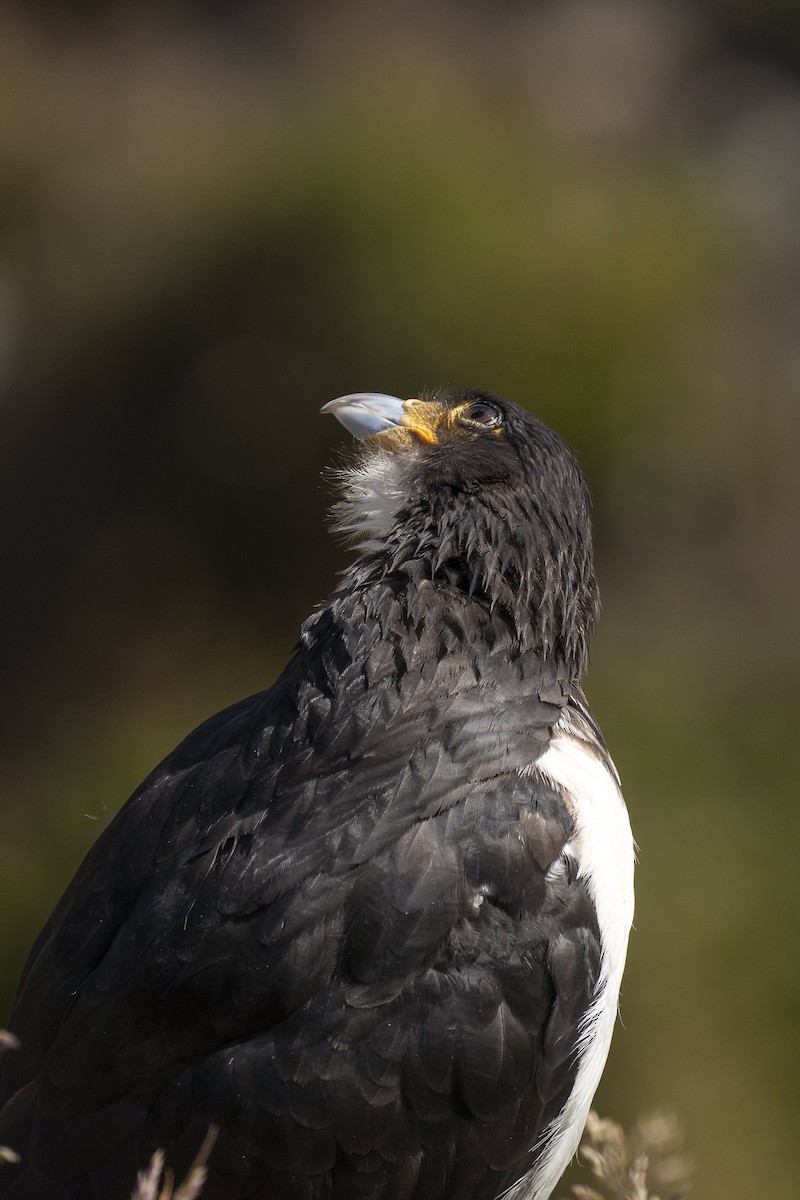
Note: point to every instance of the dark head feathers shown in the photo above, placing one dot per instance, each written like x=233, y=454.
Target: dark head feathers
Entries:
x=495, y=511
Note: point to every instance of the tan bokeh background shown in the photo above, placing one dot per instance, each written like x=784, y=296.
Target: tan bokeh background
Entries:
x=211, y=224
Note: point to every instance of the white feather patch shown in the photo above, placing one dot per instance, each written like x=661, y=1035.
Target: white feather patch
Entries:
x=603, y=848
x=371, y=495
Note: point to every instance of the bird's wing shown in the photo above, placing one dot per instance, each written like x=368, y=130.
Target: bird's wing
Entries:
x=310, y=869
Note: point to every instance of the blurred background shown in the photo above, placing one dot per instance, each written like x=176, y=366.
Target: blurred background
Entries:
x=214, y=218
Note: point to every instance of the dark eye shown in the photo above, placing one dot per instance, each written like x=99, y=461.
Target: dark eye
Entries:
x=481, y=413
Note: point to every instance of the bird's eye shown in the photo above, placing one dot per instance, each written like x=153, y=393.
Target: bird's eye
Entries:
x=481, y=413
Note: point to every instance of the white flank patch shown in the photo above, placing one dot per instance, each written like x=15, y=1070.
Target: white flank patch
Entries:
x=576, y=765
x=371, y=496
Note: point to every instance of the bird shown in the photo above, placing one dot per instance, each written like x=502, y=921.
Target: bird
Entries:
x=370, y=923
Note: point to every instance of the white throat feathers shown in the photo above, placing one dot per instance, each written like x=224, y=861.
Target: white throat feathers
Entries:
x=371, y=494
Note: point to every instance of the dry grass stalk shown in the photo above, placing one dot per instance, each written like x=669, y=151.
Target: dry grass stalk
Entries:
x=8, y=1042
x=646, y=1164
x=157, y=1183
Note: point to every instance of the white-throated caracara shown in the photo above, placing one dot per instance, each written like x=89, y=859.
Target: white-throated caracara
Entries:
x=371, y=922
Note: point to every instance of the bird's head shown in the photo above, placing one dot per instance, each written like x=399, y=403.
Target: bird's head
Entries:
x=467, y=490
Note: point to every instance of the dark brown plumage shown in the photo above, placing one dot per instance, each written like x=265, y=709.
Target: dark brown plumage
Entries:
x=348, y=920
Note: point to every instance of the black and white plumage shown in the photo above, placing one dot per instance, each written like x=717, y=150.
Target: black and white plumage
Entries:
x=373, y=921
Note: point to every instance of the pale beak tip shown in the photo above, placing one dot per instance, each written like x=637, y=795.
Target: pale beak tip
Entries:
x=365, y=414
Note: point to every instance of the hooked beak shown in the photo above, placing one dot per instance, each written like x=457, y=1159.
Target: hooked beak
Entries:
x=388, y=418
x=366, y=413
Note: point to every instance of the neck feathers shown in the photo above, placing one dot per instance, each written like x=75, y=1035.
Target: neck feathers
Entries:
x=493, y=561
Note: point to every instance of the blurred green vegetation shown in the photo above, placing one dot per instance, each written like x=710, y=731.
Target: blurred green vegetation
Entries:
x=207, y=229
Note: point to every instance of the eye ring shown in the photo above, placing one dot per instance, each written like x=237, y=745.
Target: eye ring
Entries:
x=481, y=414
